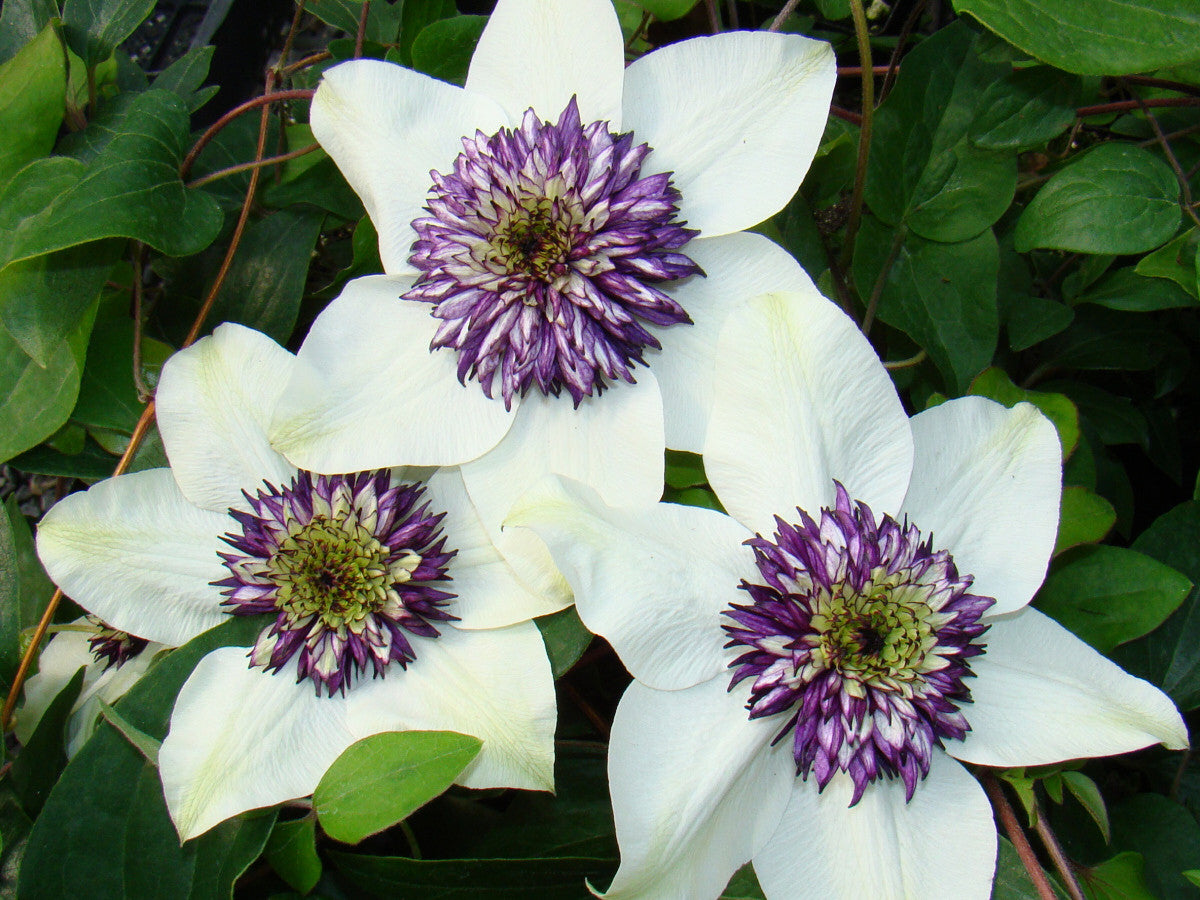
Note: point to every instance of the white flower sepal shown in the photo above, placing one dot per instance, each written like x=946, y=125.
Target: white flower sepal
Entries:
x=146, y=553
x=65, y=654
x=735, y=119
x=699, y=788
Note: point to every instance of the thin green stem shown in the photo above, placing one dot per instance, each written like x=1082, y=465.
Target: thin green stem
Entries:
x=409, y=835
x=864, y=133
x=881, y=279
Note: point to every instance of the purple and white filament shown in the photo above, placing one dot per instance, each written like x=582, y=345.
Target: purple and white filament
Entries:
x=347, y=564
x=540, y=255
x=862, y=636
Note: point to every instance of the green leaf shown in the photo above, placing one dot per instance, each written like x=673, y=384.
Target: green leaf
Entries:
x=32, y=87
x=36, y=400
x=385, y=778
x=43, y=299
x=1170, y=655
x=577, y=821
x=417, y=14
x=1030, y=320
x=21, y=21
x=91, y=464
x=1110, y=595
x=565, y=637
x=1167, y=835
x=1175, y=260
x=1012, y=882
x=131, y=189
x=107, y=395
x=443, y=49
x=1130, y=290
x=265, y=284
x=1058, y=408
x=1096, y=37
x=104, y=832
x=383, y=21
x=292, y=852
x=743, y=886
x=702, y=497
x=1027, y=107
x=1116, y=198
x=319, y=184
x=24, y=586
x=1084, y=518
x=923, y=170
x=37, y=767
x=400, y=878
x=186, y=77
x=1105, y=339
x=1085, y=791
x=1192, y=875
x=943, y=296
x=667, y=10
x=685, y=470
x=95, y=28
x=142, y=742
x=1119, y=878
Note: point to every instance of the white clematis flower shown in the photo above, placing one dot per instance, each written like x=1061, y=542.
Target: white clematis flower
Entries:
x=112, y=662
x=807, y=687
x=376, y=584
x=551, y=227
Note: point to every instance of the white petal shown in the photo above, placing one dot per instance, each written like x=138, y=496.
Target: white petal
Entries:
x=538, y=54
x=244, y=738
x=696, y=790
x=651, y=580
x=368, y=393
x=1042, y=695
x=941, y=846
x=738, y=266
x=737, y=117
x=387, y=128
x=489, y=593
x=133, y=551
x=63, y=656
x=213, y=404
x=494, y=684
x=613, y=443
x=801, y=399
x=986, y=483
x=110, y=687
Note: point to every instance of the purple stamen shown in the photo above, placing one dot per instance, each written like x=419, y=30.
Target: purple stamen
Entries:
x=540, y=256
x=861, y=635
x=347, y=565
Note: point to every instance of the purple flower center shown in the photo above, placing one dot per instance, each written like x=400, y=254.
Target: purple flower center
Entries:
x=347, y=565
x=114, y=648
x=861, y=635
x=541, y=254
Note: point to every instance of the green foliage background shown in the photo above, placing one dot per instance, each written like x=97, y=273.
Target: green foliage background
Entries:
x=1028, y=231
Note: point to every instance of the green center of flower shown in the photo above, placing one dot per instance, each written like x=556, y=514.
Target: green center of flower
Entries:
x=878, y=637
x=534, y=237
x=337, y=570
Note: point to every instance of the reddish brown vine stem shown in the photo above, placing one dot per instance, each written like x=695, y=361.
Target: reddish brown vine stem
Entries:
x=147, y=418
x=1127, y=105
x=265, y=99
x=1012, y=827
